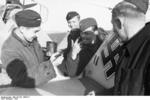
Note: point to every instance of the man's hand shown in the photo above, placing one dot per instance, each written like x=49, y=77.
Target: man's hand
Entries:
x=56, y=59
x=76, y=48
x=45, y=72
x=54, y=56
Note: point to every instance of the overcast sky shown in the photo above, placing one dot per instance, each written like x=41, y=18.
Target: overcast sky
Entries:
x=58, y=9
x=86, y=8
x=54, y=12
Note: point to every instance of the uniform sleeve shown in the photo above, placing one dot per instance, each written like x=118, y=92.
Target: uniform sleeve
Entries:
x=69, y=66
x=8, y=56
x=17, y=71
x=75, y=67
x=84, y=56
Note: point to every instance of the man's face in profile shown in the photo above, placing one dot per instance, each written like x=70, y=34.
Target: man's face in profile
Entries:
x=29, y=33
x=119, y=29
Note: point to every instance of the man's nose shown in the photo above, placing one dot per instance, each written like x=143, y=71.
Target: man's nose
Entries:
x=34, y=35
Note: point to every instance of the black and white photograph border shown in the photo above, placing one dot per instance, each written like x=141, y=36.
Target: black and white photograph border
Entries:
x=54, y=27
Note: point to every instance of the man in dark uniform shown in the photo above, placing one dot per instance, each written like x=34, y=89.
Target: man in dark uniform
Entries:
x=83, y=49
x=73, y=20
x=133, y=71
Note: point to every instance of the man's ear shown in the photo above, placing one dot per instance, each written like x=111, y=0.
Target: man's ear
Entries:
x=118, y=23
x=96, y=32
x=22, y=28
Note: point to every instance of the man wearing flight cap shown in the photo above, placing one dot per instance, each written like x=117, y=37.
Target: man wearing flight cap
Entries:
x=83, y=49
x=73, y=19
x=22, y=56
x=133, y=70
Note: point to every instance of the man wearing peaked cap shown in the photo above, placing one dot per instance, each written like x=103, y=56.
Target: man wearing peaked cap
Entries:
x=22, y=56
x=133, y=71
x=89, y=26
x=86, y=23
x=81, y=54
x=83, y=48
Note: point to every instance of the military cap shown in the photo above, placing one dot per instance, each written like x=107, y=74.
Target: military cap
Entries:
x=28, y=18
x=71, y=14
x=86, y=23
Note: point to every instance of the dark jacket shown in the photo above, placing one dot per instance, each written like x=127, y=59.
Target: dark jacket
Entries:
x=133, y=71
x=75, y=67
x=74, y=34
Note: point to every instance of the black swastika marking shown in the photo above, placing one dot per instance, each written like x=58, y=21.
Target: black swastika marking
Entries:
x=110, y=61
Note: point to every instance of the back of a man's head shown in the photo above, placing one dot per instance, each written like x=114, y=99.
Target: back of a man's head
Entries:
x=128, y=19
x=126, y=9
x=142, y=5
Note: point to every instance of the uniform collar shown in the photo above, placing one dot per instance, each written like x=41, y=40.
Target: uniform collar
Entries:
x=134, y=43
x=24, y=42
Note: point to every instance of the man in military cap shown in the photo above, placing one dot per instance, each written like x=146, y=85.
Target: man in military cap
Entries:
x=83, y=48
x=22, y=56
x=73, y=19
x=133, y=71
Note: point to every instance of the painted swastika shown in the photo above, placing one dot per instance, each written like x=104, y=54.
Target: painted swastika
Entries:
x=110, y=61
